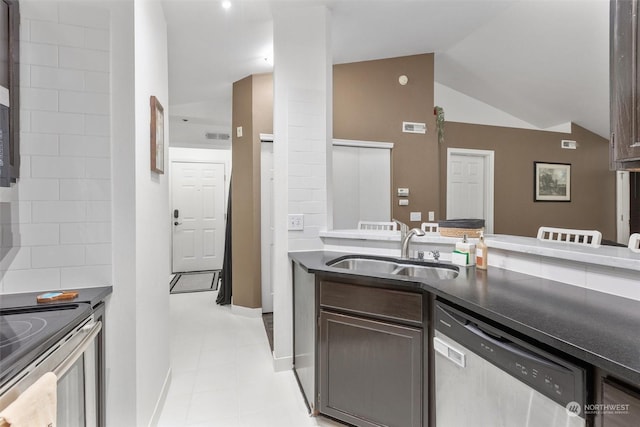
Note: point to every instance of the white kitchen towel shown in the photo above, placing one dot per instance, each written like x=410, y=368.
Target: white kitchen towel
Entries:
x=36, y=407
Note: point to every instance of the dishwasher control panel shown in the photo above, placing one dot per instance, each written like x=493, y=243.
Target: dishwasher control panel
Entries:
x=556, y=378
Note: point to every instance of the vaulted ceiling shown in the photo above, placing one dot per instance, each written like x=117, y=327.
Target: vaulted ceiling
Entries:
x=545, y=62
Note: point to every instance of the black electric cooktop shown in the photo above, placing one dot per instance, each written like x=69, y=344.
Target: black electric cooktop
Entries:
x=27, y=332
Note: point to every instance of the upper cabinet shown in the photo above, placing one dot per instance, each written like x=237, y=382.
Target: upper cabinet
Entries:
x=9, y=92
x=625, y=84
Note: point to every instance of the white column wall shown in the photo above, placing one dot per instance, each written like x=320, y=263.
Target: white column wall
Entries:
x=302, y=131
x=153, y=220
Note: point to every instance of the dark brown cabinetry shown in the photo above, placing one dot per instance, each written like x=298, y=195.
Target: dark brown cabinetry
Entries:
x=371, y=355
x=620, y=404
x=625, y=79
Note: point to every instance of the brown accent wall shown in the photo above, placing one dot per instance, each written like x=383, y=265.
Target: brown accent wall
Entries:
x=370, y=104
x=593, y=186
x=252, y=109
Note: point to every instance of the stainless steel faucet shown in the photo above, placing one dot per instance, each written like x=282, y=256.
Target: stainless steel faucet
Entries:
x=406, y=236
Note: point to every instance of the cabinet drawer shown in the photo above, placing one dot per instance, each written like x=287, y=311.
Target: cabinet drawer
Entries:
x=377, y=302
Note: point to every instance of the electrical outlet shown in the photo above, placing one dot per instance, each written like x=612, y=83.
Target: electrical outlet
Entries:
x=295, y=222
x=239, y=132
x=432, y=216
x=403, y=202
x=415, y=216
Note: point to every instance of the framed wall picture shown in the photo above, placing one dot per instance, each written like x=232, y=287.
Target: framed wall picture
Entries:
x=552, y=182
x=157, y=136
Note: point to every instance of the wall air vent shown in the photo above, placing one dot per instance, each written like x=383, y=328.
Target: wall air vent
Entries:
x=411, y=127
x=569, y=144
x=219, y=136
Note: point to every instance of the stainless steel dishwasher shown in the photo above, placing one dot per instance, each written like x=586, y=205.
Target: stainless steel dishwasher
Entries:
x=486, y=377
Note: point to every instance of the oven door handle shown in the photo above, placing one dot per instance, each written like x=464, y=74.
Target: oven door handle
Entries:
x=70, y=360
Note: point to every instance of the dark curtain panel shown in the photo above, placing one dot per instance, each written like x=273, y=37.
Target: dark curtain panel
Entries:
x=224, y=293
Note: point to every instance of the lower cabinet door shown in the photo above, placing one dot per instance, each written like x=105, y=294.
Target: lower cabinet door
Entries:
x=621, y=405
x=370, y=371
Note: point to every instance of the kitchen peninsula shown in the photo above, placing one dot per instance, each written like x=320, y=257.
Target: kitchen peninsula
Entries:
x=581, y=316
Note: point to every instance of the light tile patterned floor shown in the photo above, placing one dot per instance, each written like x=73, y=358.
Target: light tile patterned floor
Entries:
x=222, y=371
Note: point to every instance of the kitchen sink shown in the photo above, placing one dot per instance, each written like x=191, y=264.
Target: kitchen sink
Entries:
x=396, y=267
x=427, y=272
x=371, y=265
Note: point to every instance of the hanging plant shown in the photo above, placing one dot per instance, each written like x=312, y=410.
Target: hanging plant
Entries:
x=439, y=113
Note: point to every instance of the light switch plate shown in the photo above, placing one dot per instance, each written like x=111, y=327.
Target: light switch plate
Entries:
x=415, y=216
x=403, y=202
x=239, y=131
x=295, y=222
x=403, y=192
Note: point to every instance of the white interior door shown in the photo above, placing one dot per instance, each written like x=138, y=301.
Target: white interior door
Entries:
x=470, y=185
x=197, y=191
x=267, y=229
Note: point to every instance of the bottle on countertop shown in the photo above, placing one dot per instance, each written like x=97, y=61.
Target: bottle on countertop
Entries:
x=481, y=253
x=465, y=247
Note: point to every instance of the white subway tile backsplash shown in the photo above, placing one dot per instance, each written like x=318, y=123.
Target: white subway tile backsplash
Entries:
x=57, y=34
x=98, y=254
x=87, y=16
x=38, y=54
x=15, y=213
x=56, y=78
x=73, y=277
x=38, y=144
x=98, y=168
x=38, y=189
x=85, y=146
x=57, y=167
x=25, y=120
x=96, y=82
x=96, y=39
x=98, y=125
x=16, y=259
x=36, y=279
x=82, y=102
x=62, y=214
x=85, y=189
x=57, y=256
x=85, y=232
x=39, y=10
x=39, y=234
x=59, y=211
x=83, y=59
x=98, y=211
x=39, y=99
x=25, y=30
x=48, y=122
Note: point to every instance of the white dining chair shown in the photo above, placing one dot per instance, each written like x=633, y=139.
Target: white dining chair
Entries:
x=567, y=235
x=634, y=242
x=377, y=225
x=429, y=227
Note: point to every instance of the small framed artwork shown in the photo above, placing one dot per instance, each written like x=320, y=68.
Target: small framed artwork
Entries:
x=157, y=136
x=552, y=182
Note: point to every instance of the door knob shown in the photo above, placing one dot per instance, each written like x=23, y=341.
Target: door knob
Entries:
x=177, y=223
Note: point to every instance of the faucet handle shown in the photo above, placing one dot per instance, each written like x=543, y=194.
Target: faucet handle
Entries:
x=435, y=254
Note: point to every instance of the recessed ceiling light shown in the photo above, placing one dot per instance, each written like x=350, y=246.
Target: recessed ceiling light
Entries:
x=226, y=4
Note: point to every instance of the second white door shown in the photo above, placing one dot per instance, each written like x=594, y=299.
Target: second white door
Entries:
x=198, y=216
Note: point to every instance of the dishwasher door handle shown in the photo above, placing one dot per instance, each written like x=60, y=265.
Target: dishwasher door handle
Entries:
x=453, y=354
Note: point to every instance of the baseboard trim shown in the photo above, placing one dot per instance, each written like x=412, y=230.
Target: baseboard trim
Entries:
x=281, y=364
x=157, y=411
x=246, y=311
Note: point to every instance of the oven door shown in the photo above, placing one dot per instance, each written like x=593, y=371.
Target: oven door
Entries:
x=74, y=361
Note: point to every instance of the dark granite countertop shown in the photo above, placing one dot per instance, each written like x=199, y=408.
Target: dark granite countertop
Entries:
x=592, y=326
x=85, y=295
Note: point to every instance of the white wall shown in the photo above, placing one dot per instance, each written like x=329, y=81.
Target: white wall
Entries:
x=152, y=216
x=302, y=128
x=60, y=208
x=462, y=108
